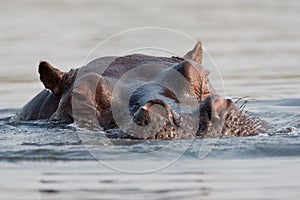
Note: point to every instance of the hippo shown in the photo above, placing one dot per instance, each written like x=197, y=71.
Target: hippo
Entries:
x=138, y=96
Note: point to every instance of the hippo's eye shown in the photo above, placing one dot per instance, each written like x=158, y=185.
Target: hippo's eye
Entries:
x=136, y=107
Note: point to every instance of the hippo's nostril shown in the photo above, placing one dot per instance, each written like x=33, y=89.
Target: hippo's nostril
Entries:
x=142, y=117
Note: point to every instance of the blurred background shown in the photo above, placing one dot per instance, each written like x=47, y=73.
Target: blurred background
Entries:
x=254, y=43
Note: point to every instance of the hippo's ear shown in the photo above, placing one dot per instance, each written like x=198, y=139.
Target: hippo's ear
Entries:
x=195, y=54
x=191, y=71
x=51, y=77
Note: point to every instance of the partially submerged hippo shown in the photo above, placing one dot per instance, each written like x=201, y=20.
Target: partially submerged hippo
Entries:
x=139, y=97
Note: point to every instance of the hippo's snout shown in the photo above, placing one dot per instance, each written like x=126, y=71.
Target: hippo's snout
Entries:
x=221, y=117
x=154, y=110
x=155, y=119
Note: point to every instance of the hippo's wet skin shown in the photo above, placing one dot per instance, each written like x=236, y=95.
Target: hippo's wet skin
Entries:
x=156, y=111
x=221, y=117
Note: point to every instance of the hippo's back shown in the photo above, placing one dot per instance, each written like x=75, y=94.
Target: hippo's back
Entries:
x=42, y=106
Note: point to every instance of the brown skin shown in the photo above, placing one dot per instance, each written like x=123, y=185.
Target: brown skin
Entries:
x=221, y=117
x=52, y=78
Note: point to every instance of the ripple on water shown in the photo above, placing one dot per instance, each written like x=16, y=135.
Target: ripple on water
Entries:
x=43, y=140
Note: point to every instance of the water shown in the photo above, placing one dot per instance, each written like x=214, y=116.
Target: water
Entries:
x=255, y=46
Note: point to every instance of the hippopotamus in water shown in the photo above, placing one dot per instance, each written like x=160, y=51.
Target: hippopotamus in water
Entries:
x=139, y=97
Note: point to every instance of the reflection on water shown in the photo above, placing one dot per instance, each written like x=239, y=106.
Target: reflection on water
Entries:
x=188, y=179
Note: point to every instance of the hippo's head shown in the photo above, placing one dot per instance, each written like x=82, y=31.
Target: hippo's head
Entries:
x=85, y=94
x=162, y=112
